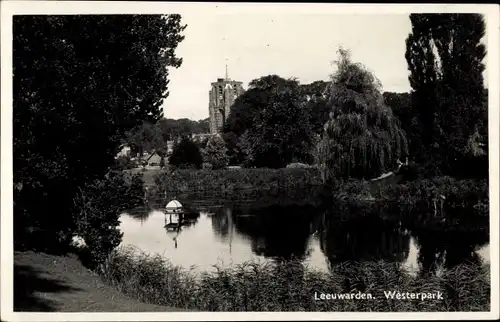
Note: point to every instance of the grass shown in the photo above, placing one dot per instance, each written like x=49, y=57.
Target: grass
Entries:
x=290, y=286
x=45, y=283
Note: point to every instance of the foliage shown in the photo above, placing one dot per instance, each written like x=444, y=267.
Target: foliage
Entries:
x=362, y=138
x=445, y=58
x=153, y=137
x=468, y=196
x=124, y=162
x=401, y=106
x=215, y=153
x=459, y=195
x=76, y=94
x=270, y=124
x=238, y=179
x=290, y=285
x=146, y=138
x=186, y=153
x=316, y=95
x=97, y=209
x=172, y=129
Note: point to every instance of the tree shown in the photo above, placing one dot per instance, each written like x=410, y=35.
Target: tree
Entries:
x=423, y=80
x=317, y=99
x=271, y=123
x=172, y=129
x=186, y=154
x=146, y=138
x=76, y=94
x=400, y=104
x=362, y=138
x=451, y=81
x=215, y=152
x=243, y=111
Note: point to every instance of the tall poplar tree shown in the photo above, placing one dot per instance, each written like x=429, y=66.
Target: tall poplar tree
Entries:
x=445, y=57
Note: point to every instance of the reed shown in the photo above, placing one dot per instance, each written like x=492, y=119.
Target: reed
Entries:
x=291, y=286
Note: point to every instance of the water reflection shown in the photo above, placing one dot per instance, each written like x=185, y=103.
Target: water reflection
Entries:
x=363, y=238
x=231, y=233
x=222, y=221
x=276, y=232
x=441, y=249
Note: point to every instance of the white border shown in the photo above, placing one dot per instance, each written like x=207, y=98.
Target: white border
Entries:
x=10, y=8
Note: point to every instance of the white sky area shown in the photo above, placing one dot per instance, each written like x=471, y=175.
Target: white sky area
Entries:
x=289, y=45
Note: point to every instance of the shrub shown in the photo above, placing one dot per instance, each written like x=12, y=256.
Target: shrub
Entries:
x=97, y=208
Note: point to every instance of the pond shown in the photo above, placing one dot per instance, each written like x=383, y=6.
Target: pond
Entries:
x=233, y=232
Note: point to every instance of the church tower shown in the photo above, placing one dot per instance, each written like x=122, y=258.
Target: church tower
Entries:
x=221, y=97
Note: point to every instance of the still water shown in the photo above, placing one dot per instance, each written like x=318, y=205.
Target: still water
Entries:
x=234, y=233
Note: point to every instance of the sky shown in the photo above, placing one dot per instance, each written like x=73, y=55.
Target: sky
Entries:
x=289, y=45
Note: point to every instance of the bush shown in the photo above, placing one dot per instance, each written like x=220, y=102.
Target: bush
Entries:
x=97, y=210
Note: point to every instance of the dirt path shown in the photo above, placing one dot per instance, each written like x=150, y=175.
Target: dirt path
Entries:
x=45, y=282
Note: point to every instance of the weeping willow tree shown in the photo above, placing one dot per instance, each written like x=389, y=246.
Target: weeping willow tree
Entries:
x=361, y=138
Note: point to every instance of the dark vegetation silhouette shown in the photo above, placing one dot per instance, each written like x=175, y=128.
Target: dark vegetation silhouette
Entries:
x=445, y=58
x=186, y=154
x=154, y=137
x=76, y=95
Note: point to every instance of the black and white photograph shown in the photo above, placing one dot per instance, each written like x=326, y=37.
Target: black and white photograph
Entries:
x=274, y=161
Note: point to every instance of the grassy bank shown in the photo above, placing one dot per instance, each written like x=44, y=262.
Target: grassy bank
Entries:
x=291, y=286
x=55, y=283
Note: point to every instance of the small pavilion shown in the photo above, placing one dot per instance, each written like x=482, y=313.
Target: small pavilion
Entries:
x=174, y=207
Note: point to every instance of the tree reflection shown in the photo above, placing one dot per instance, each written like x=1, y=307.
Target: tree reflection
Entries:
x=140, y=213
x=355, y=236
x=190, y=218
x=276, y=232
x=447, y=249
x=222, y=223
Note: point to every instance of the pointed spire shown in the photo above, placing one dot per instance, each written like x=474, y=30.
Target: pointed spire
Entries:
x=227, y=75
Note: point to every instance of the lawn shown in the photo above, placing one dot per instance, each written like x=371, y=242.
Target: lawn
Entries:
x=49, y=283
